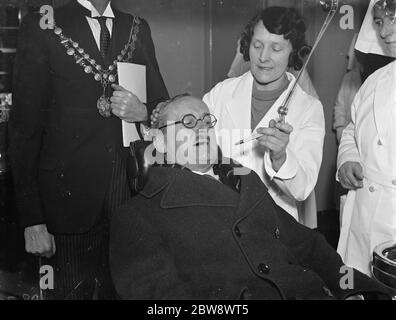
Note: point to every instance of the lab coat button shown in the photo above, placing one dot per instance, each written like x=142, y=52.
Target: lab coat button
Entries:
x=371, y=189
x=394, y=182
x=379, y=143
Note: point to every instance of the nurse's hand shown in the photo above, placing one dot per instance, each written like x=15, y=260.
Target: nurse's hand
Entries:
x=351, y=175
x=276, y=139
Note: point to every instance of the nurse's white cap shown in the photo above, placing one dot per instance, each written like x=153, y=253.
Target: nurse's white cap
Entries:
x=368, y=40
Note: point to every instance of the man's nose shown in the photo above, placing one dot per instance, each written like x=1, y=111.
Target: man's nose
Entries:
x=387, y=29
x=201, y=126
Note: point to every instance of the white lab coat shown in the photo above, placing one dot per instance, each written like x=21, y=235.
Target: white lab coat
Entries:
x=369, y=215
x=342, y=109
x=230, y=101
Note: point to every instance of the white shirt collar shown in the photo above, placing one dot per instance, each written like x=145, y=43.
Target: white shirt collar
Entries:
x=203, y=173
x=208, y=173
x=94, y=13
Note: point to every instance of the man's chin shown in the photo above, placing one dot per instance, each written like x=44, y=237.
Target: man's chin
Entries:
x=207, y=161
x=203, y=167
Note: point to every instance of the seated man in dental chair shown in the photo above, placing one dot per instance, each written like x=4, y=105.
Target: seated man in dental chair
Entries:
x=203, y=228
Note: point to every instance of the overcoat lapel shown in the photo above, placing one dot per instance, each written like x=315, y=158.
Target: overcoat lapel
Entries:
x=182, y=189
x=253, y=191
x=120, y=35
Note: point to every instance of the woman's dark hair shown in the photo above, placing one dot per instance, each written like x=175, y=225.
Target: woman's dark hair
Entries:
x=281, y=21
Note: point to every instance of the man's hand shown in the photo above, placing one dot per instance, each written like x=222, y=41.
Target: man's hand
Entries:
x=39, y=241
x=351, y=175
x=126, y=106
x=276, y=139
x=156, y=112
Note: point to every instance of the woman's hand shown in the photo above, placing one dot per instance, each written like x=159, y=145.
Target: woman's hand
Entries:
x=351, y=175
x=276, y=139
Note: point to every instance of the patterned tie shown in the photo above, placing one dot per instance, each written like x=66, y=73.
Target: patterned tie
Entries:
x=105, y=38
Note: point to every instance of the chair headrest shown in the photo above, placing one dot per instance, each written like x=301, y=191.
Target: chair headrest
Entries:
x=138, y=164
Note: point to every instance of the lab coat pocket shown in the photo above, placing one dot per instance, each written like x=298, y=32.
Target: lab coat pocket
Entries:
x=383, y=224
x=366, y=207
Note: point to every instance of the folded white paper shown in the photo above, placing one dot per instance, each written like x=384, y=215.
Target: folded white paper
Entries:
x=133, y=78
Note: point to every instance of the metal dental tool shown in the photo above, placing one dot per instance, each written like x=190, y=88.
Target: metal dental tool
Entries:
x=332, y=6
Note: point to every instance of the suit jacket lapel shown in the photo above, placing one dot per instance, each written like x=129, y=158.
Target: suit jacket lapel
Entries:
x=81, y=32
x=120, y=35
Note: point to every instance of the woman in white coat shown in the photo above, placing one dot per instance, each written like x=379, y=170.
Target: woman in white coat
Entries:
x=367, y=154
x=288, y=156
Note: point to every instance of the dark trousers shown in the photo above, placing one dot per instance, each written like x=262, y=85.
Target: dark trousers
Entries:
x=81, y=263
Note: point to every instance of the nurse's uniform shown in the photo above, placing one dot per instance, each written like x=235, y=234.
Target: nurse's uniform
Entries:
x=369, y=216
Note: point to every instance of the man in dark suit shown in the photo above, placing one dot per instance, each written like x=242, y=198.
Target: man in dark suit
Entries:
x=66, y=137
x=199, y=231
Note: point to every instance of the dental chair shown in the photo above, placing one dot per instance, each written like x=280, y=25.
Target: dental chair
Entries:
x=138, y=163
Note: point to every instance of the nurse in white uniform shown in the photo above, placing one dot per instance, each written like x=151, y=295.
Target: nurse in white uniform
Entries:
x=287, y=157
x=367, y=152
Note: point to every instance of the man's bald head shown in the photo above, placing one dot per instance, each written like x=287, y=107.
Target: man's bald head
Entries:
x=176, y=108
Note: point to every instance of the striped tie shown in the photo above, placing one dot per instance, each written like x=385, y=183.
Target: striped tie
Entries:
x=105, y=38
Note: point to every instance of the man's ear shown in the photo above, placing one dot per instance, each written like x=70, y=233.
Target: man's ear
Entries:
x=159, y=141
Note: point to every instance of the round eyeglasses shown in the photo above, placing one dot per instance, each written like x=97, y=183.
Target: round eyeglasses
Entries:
x=189, y=121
